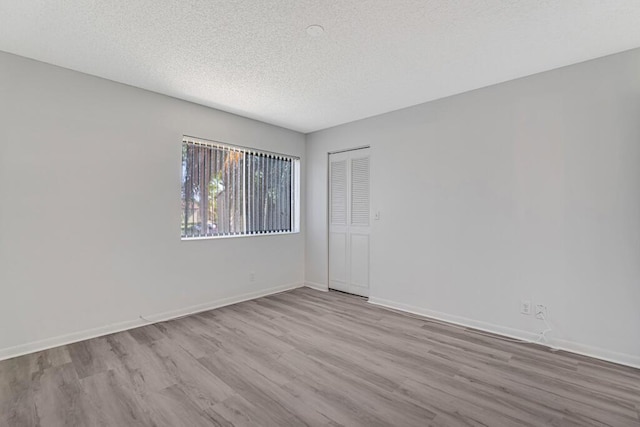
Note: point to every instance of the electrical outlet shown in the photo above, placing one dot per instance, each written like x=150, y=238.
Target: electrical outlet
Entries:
x=252, y=277
x=541, y=311
x=525, y=307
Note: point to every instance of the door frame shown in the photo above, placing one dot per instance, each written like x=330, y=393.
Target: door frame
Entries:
x=328, y=206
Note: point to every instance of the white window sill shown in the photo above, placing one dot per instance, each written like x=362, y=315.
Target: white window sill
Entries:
x=233, y=236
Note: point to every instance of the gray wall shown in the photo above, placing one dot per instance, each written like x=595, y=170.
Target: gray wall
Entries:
x=527, y=190
x=90, y=209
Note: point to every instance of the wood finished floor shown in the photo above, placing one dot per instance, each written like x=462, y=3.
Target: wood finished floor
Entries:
x=311, y=358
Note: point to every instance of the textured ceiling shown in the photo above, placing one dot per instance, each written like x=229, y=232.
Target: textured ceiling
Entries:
x=254, y=58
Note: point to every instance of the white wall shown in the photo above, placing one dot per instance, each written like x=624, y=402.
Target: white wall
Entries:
x=524, y=190
x=90, y=209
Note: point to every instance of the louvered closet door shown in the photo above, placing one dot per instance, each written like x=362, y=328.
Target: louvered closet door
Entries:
x=349, y=221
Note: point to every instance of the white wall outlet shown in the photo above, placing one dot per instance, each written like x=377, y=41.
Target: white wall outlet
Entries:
x=377, y=216
x=541, y=311
x=252, y=277
x=525, y=307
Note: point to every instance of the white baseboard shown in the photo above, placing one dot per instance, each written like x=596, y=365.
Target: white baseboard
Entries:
x=317, y=286
x=45, y=344
x=561, y=344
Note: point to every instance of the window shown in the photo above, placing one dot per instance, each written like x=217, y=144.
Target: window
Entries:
x=234, y=191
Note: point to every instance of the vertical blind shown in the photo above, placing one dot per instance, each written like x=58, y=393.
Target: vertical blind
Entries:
x=229, y=191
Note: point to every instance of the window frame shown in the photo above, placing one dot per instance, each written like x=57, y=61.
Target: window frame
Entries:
x=295, y=187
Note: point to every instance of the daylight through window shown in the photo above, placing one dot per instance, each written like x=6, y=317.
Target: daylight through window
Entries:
x=233, y=191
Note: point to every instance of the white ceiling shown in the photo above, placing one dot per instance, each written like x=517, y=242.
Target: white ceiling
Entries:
x=254, y=58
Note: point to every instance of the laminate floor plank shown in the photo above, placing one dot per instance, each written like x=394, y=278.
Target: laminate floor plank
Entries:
x=310, y=358
x=173, y=407
x=252, y=386
x=116, y=404
x=345, y=394
x=59, y=399
x=194, y=342
x=545, y=400
x=240, y=413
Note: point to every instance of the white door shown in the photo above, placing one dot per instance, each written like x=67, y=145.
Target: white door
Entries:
x=349, y=217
